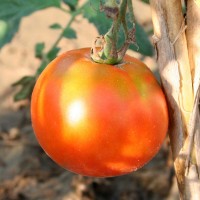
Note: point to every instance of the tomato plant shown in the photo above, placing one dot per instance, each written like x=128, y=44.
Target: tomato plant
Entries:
x=97, y=119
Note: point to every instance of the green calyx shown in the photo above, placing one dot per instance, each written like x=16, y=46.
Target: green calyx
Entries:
x=107, y=52
x=105, y=48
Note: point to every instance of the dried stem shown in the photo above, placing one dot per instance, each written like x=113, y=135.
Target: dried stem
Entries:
x=174, y=67
x=193, y=39
x=176, y=27
x=169, y=72
x=192, y=181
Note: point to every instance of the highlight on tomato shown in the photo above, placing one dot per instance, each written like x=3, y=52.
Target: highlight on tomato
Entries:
x=96, y=119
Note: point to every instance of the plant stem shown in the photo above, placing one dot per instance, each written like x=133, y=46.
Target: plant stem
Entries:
x=111, y=37
x=130, y=8
x=193, y=37
x=172, y=58
x=64, y=10
x=45, y=60
x=73, y=16
x=176, y=27
x=109, y=53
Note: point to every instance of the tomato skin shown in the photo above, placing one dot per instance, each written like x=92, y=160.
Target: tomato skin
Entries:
x=97, y=119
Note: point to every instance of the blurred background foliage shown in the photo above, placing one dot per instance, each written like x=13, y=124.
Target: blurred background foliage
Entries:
x=13, y=11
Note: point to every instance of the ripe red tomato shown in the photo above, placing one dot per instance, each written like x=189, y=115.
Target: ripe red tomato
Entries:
x=97, y=119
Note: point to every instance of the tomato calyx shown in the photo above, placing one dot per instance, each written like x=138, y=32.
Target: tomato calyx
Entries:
x=105, y=49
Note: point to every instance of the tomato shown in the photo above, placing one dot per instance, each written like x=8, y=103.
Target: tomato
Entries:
x=96, y=119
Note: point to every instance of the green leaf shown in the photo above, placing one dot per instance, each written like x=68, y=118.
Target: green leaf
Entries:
x=12, y=11
x=103, y=24
x=71, y=3
x=56, y=26
x=3, y=29
x=25, y=92
x=50, y=56
x=39, y=47
x=41, y=67
x=94, y=16
x=53, y=53
x=69, y=33
x=24, y=80
x=145, y=1
x=27, y=83
x=142, y=40
x=143, y=44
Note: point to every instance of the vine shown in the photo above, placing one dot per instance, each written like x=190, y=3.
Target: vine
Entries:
x=108, y=52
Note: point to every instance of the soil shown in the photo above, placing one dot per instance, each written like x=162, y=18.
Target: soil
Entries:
x=26, y=172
